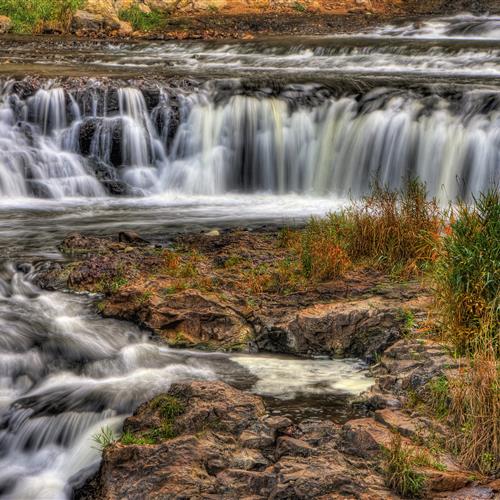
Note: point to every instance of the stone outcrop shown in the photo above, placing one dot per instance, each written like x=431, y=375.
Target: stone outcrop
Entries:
x=226, y=447
x=213, y=307
x=223, y=445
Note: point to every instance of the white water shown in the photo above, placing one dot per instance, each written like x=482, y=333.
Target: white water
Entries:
x=460, y=27
x=421, y=100
x=65, y=374
x=247, y=144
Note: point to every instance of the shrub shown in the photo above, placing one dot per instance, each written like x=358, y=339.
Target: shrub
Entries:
x=467, y=275
x=395, y=230
x=30, y=16
x=321, y=253
x=143, y=21
x=400, y=469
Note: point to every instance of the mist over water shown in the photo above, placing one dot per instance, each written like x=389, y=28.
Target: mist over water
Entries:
x=161, y=137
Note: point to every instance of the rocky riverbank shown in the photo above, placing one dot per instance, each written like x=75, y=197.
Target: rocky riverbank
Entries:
x=236, y=290
x=239, y=290
x=209, y=19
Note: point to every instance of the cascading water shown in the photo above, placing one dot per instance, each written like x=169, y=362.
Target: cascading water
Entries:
x=215, y=134
x=65, y=374
x=247, y=143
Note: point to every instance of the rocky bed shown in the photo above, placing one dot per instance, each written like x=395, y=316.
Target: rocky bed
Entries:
x=220, y=442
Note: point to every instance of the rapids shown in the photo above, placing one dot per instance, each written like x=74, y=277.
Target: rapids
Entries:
x=161, y=137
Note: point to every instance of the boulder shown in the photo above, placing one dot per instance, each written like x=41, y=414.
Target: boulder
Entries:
x=214, y=450
x=361, y=328
x=5, y=24
x=88, y=22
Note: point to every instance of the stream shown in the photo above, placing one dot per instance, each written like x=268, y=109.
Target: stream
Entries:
x=168, y=137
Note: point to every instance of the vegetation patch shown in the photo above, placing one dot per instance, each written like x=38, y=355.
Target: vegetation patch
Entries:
x=400, y=469
x=144, y=21
x=32, y=16
x=467, y=275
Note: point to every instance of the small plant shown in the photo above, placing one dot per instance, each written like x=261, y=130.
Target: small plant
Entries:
x=144, y=297
x=400, y=469
x=439, y=396
x=128, y=438
x=103, y=438
x=212, y=8
x=299, y=7
x=408, y=318
x=168, y=406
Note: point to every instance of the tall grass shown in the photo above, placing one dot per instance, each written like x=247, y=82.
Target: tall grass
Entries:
x=467, y=286
x=475, y=412
x=31, y=16
x=467, y=276
x=395, y=231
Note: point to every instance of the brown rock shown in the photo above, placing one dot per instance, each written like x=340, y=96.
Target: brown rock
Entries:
x=209, y=459
x=5, y=24
x=131, y=237
x=365, y=437
x=293, y=447
x=88, y=22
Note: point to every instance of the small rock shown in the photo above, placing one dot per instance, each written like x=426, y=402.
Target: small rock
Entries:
x=365, y=437
x=251, y=439
x=213, y=233
x=278, y=423
x=130, y=237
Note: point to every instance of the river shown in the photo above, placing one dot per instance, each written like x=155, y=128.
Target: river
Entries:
x=161, y=137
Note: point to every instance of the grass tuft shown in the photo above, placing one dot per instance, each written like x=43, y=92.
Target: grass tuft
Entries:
x=400, y=469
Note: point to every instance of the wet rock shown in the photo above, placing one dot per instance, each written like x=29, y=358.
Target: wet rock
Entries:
x=5, y=24
x=187, y=318
x=131, y=237
x=207, y=457
x=360, y=328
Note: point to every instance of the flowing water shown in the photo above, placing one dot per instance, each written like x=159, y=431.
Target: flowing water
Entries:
x=162, y=137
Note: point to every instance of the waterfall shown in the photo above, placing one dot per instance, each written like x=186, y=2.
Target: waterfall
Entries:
x=54, y=144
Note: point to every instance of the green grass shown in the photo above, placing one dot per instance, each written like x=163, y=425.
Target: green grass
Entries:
x=144, y=21
x=467, y=275
x=168, y=406
x=30, y=16
x=299, y=7
x=103, y=438
x=439, y=396
x=131, y=439
x=400, y=463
